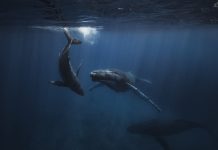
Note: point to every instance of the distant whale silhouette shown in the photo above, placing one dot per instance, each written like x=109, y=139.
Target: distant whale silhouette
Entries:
x=158, y=129
x=69, y=77
x=119, y=81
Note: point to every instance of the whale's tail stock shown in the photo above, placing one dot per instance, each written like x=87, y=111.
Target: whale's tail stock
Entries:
x=70, y=39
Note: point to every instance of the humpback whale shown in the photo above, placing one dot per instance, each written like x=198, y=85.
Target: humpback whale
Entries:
x=51, y=11
x=158, y=129
x=69, y=77
x=119, y=81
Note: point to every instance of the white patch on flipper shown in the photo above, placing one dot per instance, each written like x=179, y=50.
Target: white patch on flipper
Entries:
x=144, y=96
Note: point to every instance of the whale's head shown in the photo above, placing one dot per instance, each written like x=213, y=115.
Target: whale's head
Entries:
x=101, y=75
x=97, y=75
x=82, y=93
x=76, y=87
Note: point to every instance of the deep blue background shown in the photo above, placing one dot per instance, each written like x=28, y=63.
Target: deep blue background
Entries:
x=182, y=63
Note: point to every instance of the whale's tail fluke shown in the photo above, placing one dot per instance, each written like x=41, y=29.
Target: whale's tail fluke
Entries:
x=70, y=39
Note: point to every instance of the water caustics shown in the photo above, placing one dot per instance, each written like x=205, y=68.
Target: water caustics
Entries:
x=106, y=12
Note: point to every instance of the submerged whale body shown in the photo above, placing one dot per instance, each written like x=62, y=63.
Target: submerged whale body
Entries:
x=68, y=75
x=158, y=129
x=113, y=78
x=119, y=81
x=163, y=128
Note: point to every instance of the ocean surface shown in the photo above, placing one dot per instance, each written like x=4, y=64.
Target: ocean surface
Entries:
x=174, y=44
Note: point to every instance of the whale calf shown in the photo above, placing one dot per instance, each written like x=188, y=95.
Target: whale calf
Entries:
x=119, y=81
x=67, y=73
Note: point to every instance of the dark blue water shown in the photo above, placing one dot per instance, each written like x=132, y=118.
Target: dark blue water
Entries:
x=181, y=63
x=180, y=60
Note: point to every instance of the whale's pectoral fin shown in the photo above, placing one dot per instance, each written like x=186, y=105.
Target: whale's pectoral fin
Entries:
x=58, y=83
x=144, y=96
x=95, y=86
x=162, y=142
x=144, y=80
x=78, y=69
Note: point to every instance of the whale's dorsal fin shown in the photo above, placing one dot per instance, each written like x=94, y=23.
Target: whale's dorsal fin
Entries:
x=144, y=96
x=58, y=83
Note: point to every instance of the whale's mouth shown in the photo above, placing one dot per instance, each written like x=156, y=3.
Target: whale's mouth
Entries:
x=98, y=76
x=102, y=75
x=94, y=76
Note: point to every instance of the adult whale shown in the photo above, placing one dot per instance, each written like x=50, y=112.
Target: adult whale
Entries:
x=119, y=81
x=161, y=128
x=69, y=77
